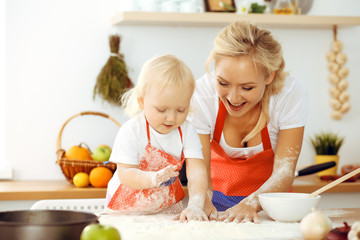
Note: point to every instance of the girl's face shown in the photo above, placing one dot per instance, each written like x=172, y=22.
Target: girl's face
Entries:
x=239, y=85
x=166, y=109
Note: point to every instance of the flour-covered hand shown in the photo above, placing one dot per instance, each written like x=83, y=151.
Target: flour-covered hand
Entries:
x=164, y=175
x=193, y=214
x=242, y=212
x=210, y=210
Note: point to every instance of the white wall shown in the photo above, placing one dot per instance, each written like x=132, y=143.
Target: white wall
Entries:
x=55, y=50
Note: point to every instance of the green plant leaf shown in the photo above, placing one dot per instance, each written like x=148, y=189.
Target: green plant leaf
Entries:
x=327, y=143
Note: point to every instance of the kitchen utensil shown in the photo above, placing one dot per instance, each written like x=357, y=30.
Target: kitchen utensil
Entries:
x=315, y=168
x=334, y=183
x=44, y=224
x=287, y=206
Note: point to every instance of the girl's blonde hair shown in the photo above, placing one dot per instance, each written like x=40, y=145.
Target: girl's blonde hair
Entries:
x=161, y=71
x=242, y=39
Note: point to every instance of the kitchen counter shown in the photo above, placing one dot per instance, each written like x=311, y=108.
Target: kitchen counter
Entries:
x=61, y=189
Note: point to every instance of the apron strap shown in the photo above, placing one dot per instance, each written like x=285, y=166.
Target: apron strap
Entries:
x=148, y=132
x=265, y=138
x=220, y=119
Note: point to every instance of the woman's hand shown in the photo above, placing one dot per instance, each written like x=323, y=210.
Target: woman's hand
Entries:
x=210, y=209
x=242, y=212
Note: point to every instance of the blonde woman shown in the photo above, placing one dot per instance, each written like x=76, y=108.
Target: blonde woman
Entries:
x=250, y=117
x=152, y=146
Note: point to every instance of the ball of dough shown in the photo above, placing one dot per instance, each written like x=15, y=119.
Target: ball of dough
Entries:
x=344, y=96
x=334, y=92
x=343, y=72
x=333, y=67
x=337, y=46
x=334, y=79
x=336, y=115
x=343, y=85
x=341, y=58
x=331, y=56
x=345, y=107
x=335, y=104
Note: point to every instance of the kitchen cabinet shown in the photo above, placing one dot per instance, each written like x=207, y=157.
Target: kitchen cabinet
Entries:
x=212, y=19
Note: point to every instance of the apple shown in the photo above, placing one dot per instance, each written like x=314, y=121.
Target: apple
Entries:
x=101, y=153
x=97, y=231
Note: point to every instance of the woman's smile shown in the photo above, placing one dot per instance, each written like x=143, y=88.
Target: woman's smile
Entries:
x=236, y=106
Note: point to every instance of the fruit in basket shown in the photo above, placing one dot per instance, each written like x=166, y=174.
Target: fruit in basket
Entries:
x=81, y=179
x=97, y=231
x=101, y=153
x=100, y=176
x=78, y=152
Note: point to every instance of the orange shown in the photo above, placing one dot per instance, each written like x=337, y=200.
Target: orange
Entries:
x=100, y=176
x=78, y=152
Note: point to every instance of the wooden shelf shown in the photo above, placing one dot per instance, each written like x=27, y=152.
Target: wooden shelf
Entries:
x=222, y=19
x=62, y=189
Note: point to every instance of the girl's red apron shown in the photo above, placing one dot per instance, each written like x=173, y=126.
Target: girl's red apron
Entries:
x=153, y=199
x=234, y=179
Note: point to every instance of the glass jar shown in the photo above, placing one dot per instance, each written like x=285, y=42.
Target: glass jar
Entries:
x=283, y=7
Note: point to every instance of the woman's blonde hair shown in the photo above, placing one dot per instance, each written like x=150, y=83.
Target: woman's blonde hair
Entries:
x=161, y=71
x=243, y=39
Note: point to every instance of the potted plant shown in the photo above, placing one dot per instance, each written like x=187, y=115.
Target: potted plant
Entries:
x=327, y=145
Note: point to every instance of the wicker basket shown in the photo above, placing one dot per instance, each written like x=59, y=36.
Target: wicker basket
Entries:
x=71, y=167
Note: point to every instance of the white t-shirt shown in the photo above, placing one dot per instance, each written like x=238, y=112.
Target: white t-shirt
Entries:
x=131, y=141
x=287, y=109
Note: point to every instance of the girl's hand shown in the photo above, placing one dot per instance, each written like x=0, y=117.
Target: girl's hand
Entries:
x=164, y=175
x=194, y=214
x=242, y=212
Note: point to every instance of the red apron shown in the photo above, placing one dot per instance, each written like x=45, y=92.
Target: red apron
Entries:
x=153, y=199
x=234, y=179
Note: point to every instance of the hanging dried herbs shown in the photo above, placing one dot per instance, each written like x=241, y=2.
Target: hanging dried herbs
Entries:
x=113, y=79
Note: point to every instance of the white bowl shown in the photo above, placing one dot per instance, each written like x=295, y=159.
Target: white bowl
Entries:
x=287, y=207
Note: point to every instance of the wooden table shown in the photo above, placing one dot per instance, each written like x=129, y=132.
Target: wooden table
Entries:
x=162, y=226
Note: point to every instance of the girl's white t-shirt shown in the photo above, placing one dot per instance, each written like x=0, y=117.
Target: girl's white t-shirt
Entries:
x=131, y=141
x=287, y=109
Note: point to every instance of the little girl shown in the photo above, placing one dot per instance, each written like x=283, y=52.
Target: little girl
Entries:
x=152, y=146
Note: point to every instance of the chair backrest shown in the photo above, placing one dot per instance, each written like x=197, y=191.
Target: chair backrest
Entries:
x=93, y=205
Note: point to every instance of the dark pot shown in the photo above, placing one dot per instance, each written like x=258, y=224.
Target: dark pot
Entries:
x=44, y=224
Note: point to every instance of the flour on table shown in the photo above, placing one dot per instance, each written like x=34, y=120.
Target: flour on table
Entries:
x=163, y=227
